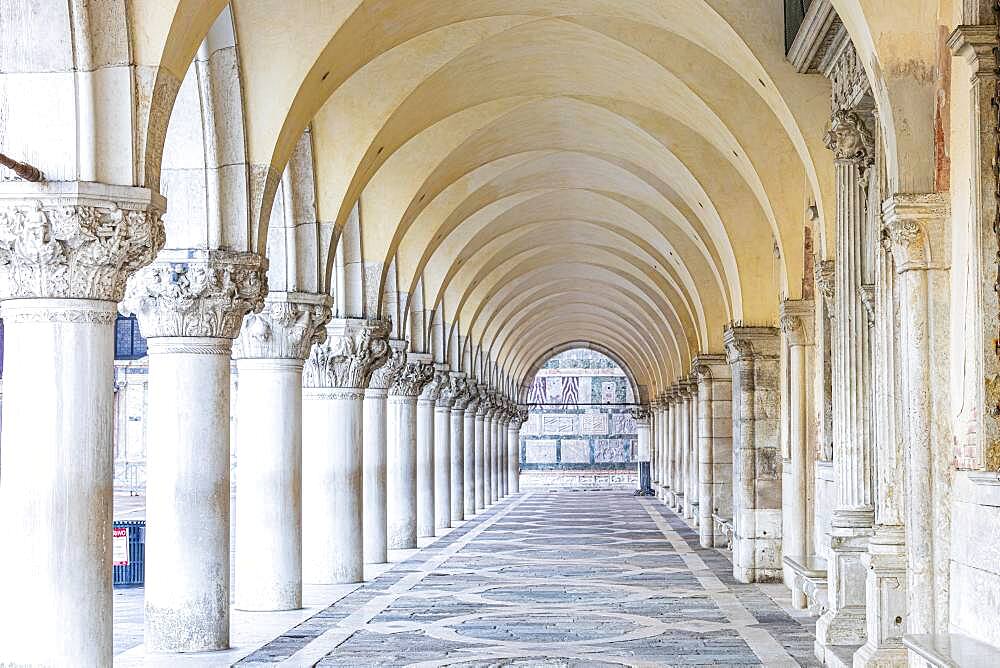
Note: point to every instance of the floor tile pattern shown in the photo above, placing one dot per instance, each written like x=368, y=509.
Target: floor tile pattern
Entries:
x=554, y=579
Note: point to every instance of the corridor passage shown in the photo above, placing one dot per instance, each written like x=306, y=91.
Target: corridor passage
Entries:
x=555, y=579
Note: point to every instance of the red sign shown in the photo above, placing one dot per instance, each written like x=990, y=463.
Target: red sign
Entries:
x=119, y=547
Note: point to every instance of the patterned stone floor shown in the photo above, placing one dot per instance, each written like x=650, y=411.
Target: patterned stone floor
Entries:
x=554, y=579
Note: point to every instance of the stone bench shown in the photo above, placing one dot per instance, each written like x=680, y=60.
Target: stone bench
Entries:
x=724, y=526
x=809, y=582
x=950, y=650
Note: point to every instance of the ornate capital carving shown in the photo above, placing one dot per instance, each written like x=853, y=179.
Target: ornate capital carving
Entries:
x=472, y=404
x=203, y=293
x=797, y=321
x=485, y=403
x=850, y=139
x=825, y=274
x=433, y=389
x=352, y=352
x=287, y=328
x=460, y=388
x=75, y=240
x=412, y=378
x=384, y=376
x=916, y=231
x=641, y=415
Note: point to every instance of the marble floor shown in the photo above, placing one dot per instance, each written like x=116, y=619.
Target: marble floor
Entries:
x=587, y=578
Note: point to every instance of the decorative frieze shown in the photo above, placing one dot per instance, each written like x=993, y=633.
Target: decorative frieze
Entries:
x=354, y=349
x=286, y=328
x=75, y=240
x=848, y=78
x=196, y=293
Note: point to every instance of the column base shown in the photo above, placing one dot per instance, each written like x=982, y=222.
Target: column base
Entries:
x=885, y=600
x=845, y=621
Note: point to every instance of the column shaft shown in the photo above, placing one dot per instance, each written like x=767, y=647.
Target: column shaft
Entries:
x=55, y=492
x=469, y=462
x=332, y=503
x=512, y=458
x=425, y=468
x=442, y=466
x=268, y=485
x=401, y=479
x=480, y=460
x=374, y=478
x=457, y=465
x=188, y=495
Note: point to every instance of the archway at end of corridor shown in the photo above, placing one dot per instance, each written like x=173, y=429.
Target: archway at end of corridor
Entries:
x=581, y=430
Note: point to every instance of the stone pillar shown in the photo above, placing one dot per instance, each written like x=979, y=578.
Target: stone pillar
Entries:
x=335, y=378
x=715, y=445
x=844, y=623
x=270, y=353
x=426, y=454
x=469, y=448
x=514, y=449
x=797, y=341
x=401, y=432
x=190, y=305
x=682, y=505
x=442, y=451
x=66, y=250
x=643, y=451
x=670, y=435
x=754, y=359
x=917, y=230
x=691, y=489
x=502, y=449
x=461, y=399
x=661, y=447
x=481, y=468
x=375, y=455
x=489, y=450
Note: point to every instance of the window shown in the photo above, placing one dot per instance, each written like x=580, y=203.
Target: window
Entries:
x=129, y=344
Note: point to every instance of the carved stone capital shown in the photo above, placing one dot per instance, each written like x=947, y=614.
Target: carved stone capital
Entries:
x=850, y=139
x=485, y=403
x=641, y=415
x=825, y=274
x=460, y=388
x=352, y=352
x=413, y=377
x=384, y=376
x=472, y=404
x=201, y=293
x=745, y=344
x=796, y=320
x=916, y=232
x=75, y=240
x=286, y=328
x=432, y=391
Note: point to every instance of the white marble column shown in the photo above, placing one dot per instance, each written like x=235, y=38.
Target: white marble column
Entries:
x=691, y=492
x=670, y=437
x=469, y=448
x=461, y=398
x=488, y=470
x=270, y=353
x=917, y=228
x=502, y=449
x=853, y=516
x=754, y=355
x=401, y=459
x=442, y=452
x=495, y=451
x=677, y=465
x=643, y=450
x=190, y=306
x=335, y=377
x=56, y=488
x=513, y=450
x=682, y=504
x=426, y=454
x=715, y=446
x=482, y=471
x=375, y=455
x=797, y=341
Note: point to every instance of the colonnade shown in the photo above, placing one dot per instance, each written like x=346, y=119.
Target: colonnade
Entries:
x=349, y=444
